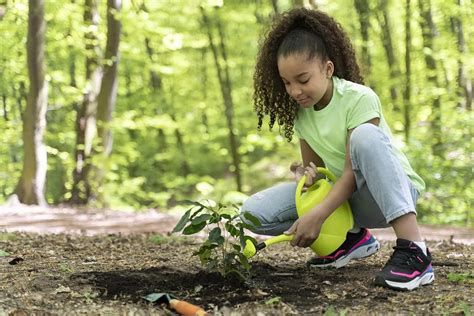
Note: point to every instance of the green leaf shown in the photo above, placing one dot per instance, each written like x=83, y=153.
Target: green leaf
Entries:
x=220, y=240
x=193, y=215
x=243, y=261
x=255, y=221
x=273, y=300
x=233, y=231
x=214, y=234
x=201, y=218
x=4, y=253
x=247, y=226
x=182, y=222
x=242, y=237
x=192, y=229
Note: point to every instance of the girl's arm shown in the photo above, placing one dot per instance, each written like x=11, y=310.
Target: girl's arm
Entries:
x=309, y=155
x=311, y=160
x=306, y=228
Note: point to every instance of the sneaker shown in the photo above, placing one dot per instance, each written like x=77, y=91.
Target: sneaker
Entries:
x=407, y=269
x=357, y=245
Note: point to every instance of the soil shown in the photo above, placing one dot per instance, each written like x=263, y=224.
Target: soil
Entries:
x=109, y=274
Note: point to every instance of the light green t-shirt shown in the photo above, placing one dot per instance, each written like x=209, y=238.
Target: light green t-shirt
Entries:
x=326, y=130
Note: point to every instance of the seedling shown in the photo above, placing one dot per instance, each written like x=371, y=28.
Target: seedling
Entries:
x=222, y=250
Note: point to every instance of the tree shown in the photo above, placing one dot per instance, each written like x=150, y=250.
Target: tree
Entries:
x=30, y=189
x=363, y=11
x=108, y=88
x=387, y=42
x=429, y=33
x=464, y=82
x=408, y=83
x=226, y=90
x=87, y=112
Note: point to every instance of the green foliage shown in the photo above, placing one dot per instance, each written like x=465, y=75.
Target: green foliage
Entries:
x=274, y=300
x=461, y=277
x=222, y=250
x=171, y=140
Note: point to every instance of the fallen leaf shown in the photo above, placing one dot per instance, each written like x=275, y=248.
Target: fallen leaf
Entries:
x=62, y=289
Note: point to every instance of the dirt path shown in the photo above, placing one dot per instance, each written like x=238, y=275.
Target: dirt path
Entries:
x=96, y=222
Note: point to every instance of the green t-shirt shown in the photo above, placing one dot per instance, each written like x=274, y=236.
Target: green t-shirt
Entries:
x=326, y=130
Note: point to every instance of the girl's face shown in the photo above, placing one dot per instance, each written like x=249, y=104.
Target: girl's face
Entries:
x=307, y=81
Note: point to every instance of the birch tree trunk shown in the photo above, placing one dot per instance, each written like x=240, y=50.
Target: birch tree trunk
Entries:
x=108, y=88
x=86, y=114
x=30, y=189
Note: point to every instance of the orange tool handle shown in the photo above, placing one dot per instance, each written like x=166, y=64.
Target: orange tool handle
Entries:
x=187, y=309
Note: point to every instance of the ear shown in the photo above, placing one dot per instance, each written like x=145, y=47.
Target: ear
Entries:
x=329, y=69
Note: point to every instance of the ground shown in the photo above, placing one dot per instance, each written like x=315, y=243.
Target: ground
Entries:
x=109, y=274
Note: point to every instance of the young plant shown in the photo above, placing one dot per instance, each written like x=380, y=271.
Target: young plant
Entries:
x=222, y=250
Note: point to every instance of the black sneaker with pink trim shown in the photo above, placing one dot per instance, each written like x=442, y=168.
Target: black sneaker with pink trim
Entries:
x=357, y=245
x=408, y=268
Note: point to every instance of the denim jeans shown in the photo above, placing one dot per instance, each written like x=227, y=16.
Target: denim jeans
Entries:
x=383, y=190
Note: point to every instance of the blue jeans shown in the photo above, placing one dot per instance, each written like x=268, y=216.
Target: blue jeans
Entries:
x=383, y=192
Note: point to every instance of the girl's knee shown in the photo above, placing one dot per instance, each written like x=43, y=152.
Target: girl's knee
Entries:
x=365, y=136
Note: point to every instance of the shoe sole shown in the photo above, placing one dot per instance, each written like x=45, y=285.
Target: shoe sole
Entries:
x=359, y=253
x=424, y=279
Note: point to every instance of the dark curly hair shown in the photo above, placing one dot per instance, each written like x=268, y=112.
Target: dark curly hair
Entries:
x=299, y=30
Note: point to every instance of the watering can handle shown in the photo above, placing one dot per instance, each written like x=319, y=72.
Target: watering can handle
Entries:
x=300, y=185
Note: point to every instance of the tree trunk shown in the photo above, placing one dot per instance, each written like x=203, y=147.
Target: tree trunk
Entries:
x=429, y=33
x=204, y=118
x=226, y=90
x=5, y=110
x=386, y=34
x=30, y=189
x=276, y=9
x=86, y=114
x=407, y=90
x=108, y=89
x=363, y=11
x=464, y=82
x=258, y=12
x=3, y=10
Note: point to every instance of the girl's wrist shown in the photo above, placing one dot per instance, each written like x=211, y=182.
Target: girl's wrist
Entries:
x=319, y=214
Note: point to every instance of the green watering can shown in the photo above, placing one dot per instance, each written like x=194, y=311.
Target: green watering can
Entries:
x=334, y=229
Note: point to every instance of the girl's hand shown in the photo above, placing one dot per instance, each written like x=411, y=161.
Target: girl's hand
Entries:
x=310, y=172
x=306, y=229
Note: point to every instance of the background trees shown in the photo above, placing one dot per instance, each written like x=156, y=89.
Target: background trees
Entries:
x=30, y=189
x=183, y=121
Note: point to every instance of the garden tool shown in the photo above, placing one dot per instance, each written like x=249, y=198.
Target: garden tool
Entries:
x=334, y=229
x=181, y=307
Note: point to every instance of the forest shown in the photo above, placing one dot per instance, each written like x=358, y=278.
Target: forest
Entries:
x=140, y=104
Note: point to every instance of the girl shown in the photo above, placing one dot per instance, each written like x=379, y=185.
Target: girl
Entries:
x=307, y=79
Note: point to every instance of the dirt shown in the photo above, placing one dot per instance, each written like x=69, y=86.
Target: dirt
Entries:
x=70, y=261
x=64, y=274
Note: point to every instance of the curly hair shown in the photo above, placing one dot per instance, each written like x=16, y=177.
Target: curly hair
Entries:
x=299, y=30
